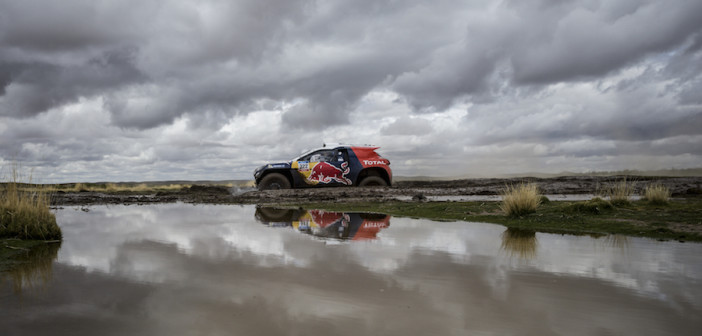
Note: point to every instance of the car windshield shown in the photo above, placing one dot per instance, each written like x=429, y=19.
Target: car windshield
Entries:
x=305, y=155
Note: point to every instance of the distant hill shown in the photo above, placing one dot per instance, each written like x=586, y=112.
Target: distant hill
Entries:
x=630, y=172
x=633, y=172
x=692, y=172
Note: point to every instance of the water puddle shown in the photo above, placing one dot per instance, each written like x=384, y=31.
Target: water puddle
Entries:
x=222, y=269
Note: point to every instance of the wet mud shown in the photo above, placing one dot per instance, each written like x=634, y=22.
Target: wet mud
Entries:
x=402, y=190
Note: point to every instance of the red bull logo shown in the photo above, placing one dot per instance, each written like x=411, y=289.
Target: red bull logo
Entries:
x=324, y=172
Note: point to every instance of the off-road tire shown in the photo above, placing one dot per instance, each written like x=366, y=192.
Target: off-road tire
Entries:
x=373, y=181
x=274, y=181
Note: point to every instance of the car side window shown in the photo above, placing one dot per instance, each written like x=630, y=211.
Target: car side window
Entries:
x=321, y=156
x=341, y=156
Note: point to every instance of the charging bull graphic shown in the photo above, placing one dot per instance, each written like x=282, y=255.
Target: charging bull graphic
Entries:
x=324, y=172
x=337, y=166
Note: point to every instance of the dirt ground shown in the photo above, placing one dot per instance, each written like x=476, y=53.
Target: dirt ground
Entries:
x=404, y=190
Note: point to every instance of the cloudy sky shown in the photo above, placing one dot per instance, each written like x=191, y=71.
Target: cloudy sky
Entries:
x=103, y=90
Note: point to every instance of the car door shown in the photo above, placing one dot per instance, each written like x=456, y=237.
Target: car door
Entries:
x=325, y=167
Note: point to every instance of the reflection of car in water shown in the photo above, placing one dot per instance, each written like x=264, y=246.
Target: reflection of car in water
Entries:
x=326, y=224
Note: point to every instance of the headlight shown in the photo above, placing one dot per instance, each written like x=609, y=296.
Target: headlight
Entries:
x=257, y=171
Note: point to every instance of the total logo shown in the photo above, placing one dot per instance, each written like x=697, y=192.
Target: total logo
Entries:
x=369, y=225
x=373, y=162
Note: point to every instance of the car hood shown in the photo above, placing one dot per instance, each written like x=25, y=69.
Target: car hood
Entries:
x=276, y=165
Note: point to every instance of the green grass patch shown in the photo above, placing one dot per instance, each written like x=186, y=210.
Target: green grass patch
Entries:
x=679, y=220
x=544, y=200
x=594, y=206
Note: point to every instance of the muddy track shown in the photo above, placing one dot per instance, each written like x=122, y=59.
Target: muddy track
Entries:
x=680, y=187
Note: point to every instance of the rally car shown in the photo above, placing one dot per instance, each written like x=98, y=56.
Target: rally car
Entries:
x=341, y=165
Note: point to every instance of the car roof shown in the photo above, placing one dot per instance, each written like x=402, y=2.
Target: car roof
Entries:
x=335, y=146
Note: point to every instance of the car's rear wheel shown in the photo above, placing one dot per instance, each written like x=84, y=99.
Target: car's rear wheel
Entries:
x=274, y=181
x=373, y=181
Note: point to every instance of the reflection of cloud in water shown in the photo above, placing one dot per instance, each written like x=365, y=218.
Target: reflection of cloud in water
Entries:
x=217, y=231
x=193, y=228
x=410, y=237
x=181, y=292
x=451, y=276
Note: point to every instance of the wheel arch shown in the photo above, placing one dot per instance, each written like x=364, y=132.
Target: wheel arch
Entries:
x=373, y=171
x=284, y=172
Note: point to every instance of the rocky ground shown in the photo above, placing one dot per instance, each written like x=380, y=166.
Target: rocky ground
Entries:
x=405, y=190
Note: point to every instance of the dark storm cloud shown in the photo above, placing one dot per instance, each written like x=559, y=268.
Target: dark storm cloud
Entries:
x=685, y=67
x=7, y=71
x=592, y=39
x=487, y=73
x=34, y=27
x=36, y=87
x=431, y=59
x=435, y=87
x=47, y=58
x=334, y=92
x=543, y=42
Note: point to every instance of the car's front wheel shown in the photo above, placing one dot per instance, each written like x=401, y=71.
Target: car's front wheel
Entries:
x=373, y=181
x=274, y=181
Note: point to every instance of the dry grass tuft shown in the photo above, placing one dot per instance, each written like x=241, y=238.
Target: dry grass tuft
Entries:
x=521, y=199
x=657, y=193
x=25, y=214
x=620, y=192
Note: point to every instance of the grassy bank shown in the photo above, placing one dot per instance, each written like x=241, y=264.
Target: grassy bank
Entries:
x=138, y=188
x=25, y=214
x=116, y=188
x=676, y=220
